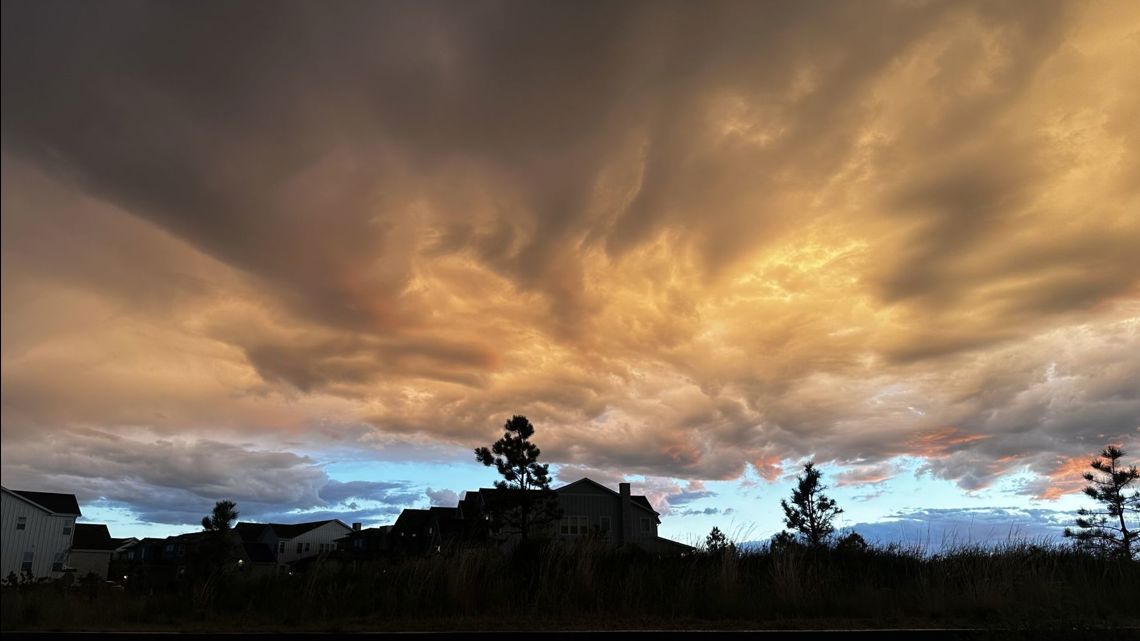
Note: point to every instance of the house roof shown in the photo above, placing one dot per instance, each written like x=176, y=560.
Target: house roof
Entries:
x=250, y=532
x=93, y=536
x=412, y=519
x=637, y=499
x=293, y=530
x=672, y=546
x=51, y=501
x=254, y=531
x=367, y=532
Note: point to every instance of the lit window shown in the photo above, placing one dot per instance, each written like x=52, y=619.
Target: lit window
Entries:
x=21, y=522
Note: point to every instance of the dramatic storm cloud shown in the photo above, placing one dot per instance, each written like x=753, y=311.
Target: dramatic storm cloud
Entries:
x=246, y=242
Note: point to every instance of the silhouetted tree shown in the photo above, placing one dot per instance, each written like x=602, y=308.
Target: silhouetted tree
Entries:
x=220, y=543
x=811, y=512
x=221, y=518
x=717, y=543
x=1106, y=530
x=852, y=542
x=524, y=504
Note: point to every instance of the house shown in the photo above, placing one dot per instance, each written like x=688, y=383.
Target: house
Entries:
x=364, y=543
x=617, y=517
x=588, y=507
x=93, y=548
x=38, y=528
x=291, y=542
x=426, y=530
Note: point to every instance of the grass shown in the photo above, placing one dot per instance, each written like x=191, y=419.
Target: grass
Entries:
x=1017, y=585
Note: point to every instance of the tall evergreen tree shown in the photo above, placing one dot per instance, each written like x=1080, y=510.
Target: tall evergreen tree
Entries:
x=1112, y=529
x=525, y=504
x=717, y=542
x=810, y=513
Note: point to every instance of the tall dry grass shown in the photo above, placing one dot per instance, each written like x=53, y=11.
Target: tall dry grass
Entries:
x=1019, y=584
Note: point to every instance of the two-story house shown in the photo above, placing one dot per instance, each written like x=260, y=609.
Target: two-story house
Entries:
x=37, y=532
x=291, y=542
x=93, y=549
x=588, y=507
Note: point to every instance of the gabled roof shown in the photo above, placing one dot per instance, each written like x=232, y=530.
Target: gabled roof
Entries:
x=367, y=532
x=51, y=502
x=93, y=536
x=411, y=519
x=445, y=513
x=254, y=531
x=293, y=530
x=250, y=532
x=637, y=499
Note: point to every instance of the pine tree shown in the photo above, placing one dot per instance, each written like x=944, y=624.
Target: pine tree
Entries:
x=811, y=513
x=524, y=503
x=717, y=543
x=1107, y=531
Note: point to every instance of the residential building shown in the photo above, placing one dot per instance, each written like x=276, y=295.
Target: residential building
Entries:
x=617, y=517
x=291, y=542
x=38, y=528
x=93, y=549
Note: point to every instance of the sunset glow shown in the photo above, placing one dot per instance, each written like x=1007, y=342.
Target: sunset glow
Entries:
x=307, y=260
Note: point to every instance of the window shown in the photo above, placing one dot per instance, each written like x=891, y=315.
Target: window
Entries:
x=604, y=524
x=181, y=550
x=26, y=566
x=306, y=547
x=57, y=565
x=646, y=526
x=300, y=547
x=169, y=547
x=21, y=522
x=67, y=530
x=281, y=548
x=574, y=525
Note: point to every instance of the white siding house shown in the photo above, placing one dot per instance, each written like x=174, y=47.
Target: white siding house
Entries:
x=37, y=532
x=311, y=542
x=291, y=542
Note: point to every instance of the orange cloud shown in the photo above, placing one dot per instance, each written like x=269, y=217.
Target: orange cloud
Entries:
x=1065, y=478
x=940, y=442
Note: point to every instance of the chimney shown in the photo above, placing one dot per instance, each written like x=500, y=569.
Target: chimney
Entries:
x=355, y=527
x=626, y=530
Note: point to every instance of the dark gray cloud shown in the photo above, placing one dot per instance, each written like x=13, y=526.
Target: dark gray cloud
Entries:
x=683, y=241
x=391, y=492
x=176, y=482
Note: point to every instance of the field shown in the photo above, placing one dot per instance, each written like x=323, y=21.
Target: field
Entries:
x=1015, y=586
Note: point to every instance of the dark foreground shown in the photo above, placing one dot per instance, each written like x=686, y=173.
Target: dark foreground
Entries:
x=1017, y=591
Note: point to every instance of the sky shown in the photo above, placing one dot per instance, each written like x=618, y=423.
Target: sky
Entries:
x=307, y=256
